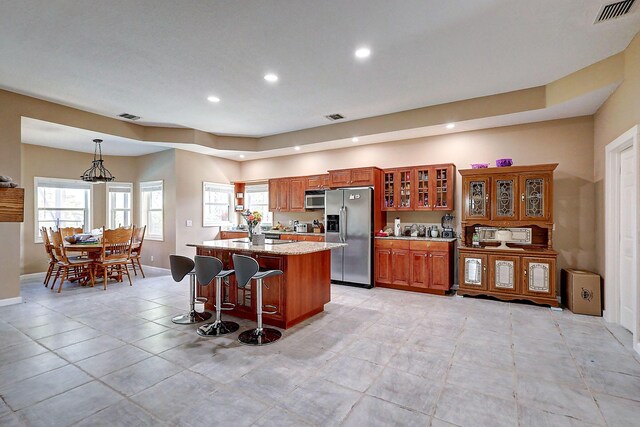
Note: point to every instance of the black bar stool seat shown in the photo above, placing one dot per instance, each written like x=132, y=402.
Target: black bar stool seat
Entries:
x=180, y=267
x=207, y=269
x=246, y=269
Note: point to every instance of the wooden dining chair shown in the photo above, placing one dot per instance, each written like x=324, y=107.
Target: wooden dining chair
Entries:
x=70, y=231
x=53, y=262
x=136, y=248
x=116, y=246
x=70, y=268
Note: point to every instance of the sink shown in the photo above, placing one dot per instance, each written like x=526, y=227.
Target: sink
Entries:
x=266, y=241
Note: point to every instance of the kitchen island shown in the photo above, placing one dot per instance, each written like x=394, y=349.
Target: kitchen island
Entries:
x=300, y=293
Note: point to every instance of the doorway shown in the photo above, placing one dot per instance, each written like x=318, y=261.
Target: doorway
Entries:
x=622, y=288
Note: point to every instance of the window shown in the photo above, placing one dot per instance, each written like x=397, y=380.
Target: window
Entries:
x=216, y=204
x=61, y=203
x=257, y=199
x=151, y=205
x=119, y=204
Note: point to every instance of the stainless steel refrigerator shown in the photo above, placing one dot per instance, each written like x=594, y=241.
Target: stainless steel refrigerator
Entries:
x=349, y=219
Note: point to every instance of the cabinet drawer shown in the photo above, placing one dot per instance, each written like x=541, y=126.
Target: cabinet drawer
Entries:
x=418, y=245
x=395, y=244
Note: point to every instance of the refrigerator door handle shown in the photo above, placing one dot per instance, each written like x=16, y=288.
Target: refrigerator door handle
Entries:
x=343, y=224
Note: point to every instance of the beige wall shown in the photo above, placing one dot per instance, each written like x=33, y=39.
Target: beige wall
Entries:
x=46, y=162
x=9, y=231
x=191, y=170
x=567, y=142
x=617, y=115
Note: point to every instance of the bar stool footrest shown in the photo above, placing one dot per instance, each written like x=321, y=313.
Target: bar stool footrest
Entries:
x=227, y=306
x=272, y=307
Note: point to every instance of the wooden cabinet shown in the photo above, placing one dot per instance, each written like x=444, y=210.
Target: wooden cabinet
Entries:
x=279, y=194
x=272, y=288
x=397, y=189
x=297, y=187
x=318, y=182
x=509, y=276
x=303, y=237
x=429, y=187
x=416, y=265
x=352, y=177
x=511, y=195
x=233, y=234
x=11, y=204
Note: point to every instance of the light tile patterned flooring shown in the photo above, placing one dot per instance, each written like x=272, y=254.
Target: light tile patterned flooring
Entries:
x=375, y=358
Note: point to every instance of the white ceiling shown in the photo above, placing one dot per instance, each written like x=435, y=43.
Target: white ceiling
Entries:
x=161, y=59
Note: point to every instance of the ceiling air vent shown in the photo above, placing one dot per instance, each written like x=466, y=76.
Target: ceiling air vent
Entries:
x=334, y=117
x=129, y=116
x=614, y=10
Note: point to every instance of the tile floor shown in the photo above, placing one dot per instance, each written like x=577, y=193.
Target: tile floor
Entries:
x=375, y=358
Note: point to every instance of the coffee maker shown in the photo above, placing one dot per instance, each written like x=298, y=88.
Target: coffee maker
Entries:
x=447, y=226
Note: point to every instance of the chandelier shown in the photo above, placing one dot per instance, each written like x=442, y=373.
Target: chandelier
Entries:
x=97, y=172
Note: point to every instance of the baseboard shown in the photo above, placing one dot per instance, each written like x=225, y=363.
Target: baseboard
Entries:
x=30, y=275
x=151, y=267
x=10, y=301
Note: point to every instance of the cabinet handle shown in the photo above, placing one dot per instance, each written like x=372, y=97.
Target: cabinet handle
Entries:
x=430, y=255
x=525, y=271
x=522, y=197
x=486, y=197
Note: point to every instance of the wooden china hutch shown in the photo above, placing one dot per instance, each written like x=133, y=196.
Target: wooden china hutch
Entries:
x=519, y=198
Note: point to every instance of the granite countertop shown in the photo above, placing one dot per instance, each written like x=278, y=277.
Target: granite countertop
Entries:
x=279, y=232
x=294, y=248
x=425, y=239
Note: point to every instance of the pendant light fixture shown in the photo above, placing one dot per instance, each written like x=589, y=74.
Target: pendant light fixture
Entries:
x=97, y=172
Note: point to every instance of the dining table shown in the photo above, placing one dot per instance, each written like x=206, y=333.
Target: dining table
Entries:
x=93, y=251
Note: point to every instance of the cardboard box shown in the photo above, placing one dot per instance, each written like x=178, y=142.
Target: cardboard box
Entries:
x=581, y=291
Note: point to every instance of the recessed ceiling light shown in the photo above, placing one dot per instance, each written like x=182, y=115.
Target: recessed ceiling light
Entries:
x=241, y=156
x=451, y=125
x=271, y=77
x=363, y=52
x=354, y=139
x=297, y=148
x=213, y=99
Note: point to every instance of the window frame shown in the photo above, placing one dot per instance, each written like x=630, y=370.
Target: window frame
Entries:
x=38, y=181
x=228, y=188
x=144, y=215
x=110, y=185
x=258, y=188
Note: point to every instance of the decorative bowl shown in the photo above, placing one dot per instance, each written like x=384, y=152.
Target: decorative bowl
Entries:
x=504, y=162
x=479, y=165
x=70, y=239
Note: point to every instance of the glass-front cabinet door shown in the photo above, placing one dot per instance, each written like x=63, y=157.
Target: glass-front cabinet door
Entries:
x=474, y=271
x=476, y=197
x=539, y=276
x=504, y=273
x=404, y=191
x=388, y=190
x=442, y=190
x=505, y=198
x=535, y=199
x=422, y=180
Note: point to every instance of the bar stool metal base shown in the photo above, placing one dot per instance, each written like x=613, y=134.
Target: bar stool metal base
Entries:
x=217, y=328
x=189, y=318
x=260, y=337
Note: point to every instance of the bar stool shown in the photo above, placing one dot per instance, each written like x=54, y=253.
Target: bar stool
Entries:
x=247, y=268
x=180, y=267
x=208, y=268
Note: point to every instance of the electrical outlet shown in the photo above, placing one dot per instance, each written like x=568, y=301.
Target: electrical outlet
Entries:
x=151, y=258
x=189, y=223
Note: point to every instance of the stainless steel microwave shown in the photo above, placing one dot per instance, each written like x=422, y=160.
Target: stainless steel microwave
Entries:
x=314, y=199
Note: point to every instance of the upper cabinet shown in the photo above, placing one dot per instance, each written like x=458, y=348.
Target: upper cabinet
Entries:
x=297, y=186
x=318, y=182
x=352, y=177
x=428, y=188
x=279, y=194
x=516, y=194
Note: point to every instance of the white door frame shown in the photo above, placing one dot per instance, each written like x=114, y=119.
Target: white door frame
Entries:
x=629, y=139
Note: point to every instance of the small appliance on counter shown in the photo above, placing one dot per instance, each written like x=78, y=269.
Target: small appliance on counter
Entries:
x=301, y=228
x=447, y=226
x=397, y=230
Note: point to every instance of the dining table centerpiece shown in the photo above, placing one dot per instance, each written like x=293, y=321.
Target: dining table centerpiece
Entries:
x=253, y=220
